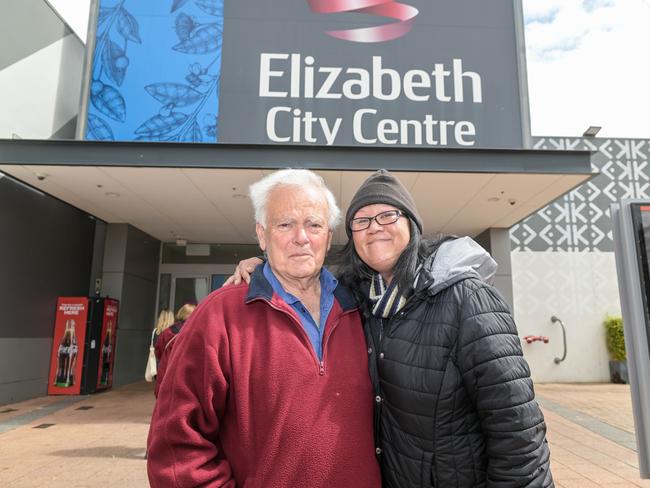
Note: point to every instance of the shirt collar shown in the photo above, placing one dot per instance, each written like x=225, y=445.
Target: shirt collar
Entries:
x=327, y=283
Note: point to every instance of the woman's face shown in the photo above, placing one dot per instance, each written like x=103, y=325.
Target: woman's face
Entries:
x=380, y=246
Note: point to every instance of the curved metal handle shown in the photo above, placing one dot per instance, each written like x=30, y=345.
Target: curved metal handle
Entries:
x=559, y=360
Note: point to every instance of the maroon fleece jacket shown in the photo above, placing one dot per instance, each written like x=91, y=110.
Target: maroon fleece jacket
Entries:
x=162, y=350
x=246, y=402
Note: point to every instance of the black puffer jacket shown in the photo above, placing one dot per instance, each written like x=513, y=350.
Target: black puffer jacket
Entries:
x=455, y=402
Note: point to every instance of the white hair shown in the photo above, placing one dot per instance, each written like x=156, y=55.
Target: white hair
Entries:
x=300, y=178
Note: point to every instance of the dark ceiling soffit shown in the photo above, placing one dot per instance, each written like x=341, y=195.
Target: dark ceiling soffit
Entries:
x=239, y=156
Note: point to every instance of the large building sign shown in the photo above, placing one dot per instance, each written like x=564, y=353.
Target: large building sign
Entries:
x=374, y=84
x=434, y=73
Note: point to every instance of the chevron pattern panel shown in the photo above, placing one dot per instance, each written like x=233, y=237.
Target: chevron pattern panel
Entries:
x=579, y=221
x=575, y=283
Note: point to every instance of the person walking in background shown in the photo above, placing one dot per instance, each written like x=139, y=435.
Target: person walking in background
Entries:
x=268, y=386
x=165, y=320
x=454, y=402
x=165, y=338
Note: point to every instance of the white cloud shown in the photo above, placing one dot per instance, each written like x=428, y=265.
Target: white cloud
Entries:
x=588, y=64
x=537, y=9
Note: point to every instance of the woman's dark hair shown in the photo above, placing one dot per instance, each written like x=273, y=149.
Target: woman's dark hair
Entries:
x=354, y=273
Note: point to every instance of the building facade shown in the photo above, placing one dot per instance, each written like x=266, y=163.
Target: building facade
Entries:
x=563, y=261
x=178, y=106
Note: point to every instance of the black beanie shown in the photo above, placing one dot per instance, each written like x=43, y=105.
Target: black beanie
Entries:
x=382, y=187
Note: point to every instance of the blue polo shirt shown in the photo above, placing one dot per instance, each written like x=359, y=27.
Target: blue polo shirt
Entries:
x=327, y=286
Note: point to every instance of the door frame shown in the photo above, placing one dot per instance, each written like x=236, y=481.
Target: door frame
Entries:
x=172, y=291
x=188, y=271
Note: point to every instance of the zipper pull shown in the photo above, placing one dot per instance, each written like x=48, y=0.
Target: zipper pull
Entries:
x=321, y=368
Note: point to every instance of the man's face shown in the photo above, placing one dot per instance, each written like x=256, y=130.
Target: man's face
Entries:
x=296, y=237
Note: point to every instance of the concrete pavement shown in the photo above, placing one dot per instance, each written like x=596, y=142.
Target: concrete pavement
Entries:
x=99, y=440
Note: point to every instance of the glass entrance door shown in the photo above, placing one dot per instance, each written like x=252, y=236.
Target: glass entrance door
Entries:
x=182, y=283
x=189, y=289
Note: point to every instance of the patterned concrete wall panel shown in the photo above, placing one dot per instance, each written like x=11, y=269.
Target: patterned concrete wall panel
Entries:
x=579, y=221
x=41, y=92
x=581, y=289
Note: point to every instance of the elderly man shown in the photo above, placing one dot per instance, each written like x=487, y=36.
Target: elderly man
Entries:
x=268, y=385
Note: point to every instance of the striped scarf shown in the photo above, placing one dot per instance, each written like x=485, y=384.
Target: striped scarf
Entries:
x=387, y=300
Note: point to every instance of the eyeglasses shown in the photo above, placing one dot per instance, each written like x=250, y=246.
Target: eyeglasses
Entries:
x=384, y=218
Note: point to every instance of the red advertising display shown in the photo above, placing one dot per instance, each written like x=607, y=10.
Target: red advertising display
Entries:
x=66, y=361
x=107, y=356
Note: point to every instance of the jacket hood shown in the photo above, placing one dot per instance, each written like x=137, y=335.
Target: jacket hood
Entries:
x=453, y=261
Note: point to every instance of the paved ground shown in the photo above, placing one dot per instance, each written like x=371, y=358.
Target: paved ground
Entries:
x=102, y=446
x=98, y=441
x=591, y=433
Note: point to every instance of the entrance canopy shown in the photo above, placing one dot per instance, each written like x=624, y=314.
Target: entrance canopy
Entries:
x=198, y=192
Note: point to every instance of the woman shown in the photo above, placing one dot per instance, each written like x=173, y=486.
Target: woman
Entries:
x=454, y=400
x=164, y=342
x=165, y=320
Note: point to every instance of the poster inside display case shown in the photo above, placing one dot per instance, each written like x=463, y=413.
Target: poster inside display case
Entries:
x=83, y=345
x=68, y=342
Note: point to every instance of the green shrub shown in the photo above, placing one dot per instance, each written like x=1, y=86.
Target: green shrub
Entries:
x=615, y=338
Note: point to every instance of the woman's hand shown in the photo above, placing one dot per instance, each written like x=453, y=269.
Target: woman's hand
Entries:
x=243, y=271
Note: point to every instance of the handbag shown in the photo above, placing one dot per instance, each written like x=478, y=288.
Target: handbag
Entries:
x=152, y=368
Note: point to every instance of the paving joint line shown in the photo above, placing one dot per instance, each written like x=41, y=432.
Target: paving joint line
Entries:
x=37, y=413
x=615, y=434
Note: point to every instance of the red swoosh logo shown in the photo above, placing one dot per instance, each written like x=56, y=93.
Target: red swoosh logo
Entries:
x=402, y=13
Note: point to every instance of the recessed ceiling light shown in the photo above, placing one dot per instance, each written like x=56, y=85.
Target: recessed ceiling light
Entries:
x=112, y=194
x=493, y=199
